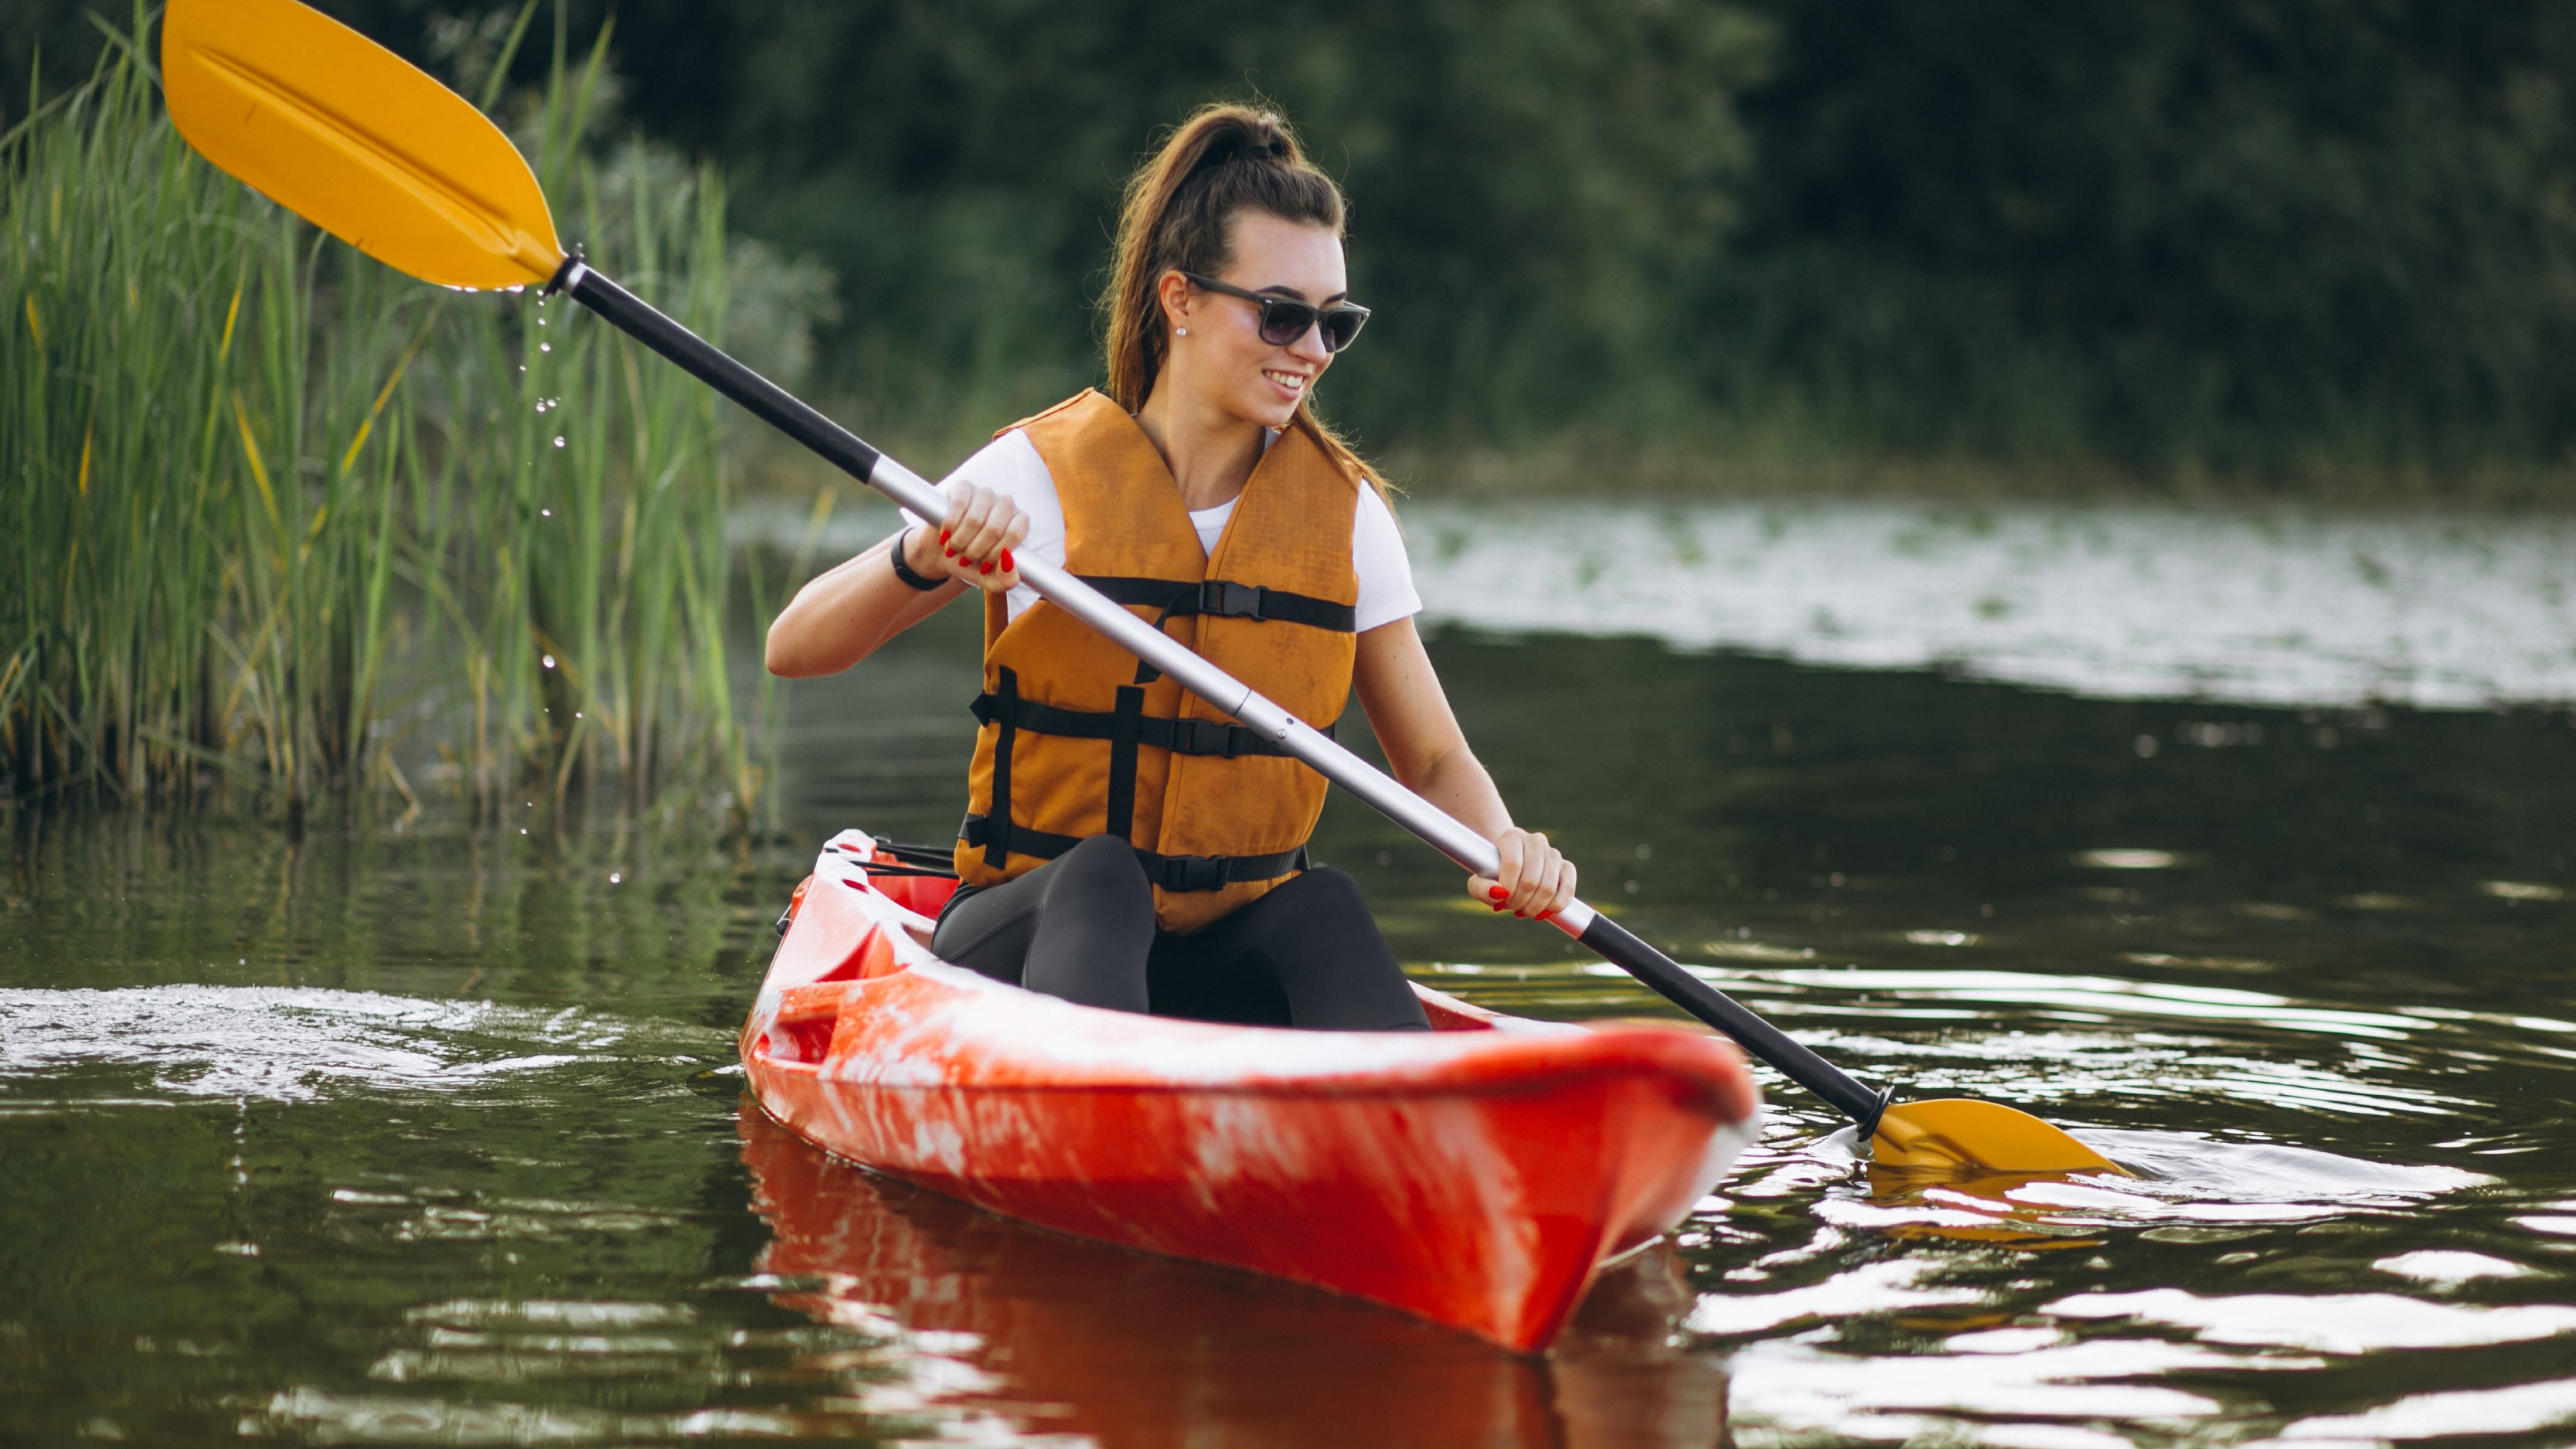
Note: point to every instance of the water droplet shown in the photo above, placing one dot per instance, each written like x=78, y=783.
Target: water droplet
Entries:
x=545, y=513
x=544, y=347
x=615, y=878
x=559, y=442
x=549, y=661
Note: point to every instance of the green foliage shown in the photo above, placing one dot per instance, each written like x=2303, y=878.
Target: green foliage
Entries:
x=270, y=506
x=2271, y=235
x=2282, y=238
x=2326, y=241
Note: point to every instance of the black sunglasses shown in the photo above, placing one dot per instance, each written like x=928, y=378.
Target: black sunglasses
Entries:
x=1285, y=319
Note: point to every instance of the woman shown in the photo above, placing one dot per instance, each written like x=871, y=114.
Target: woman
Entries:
x=1124, y=846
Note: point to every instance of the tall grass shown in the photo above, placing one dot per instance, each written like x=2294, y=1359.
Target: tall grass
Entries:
x=269, y=506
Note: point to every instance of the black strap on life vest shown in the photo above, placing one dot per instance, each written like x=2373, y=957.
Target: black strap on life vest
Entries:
x=1221, y=599
x=1126, y=732
x=1006, y=700
x=1171, y=872
x=1125, y=728
x=1226, y=599
x=1180, y=736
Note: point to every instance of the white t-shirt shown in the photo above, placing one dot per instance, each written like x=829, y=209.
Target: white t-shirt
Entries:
x=1010, y=466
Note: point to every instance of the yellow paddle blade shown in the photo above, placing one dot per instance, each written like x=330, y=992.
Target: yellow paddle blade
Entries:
x=1954, y=1133
x=354, y=139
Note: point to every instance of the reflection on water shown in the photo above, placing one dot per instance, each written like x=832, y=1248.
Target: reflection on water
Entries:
x=1130, y=1350
x=435, y=1137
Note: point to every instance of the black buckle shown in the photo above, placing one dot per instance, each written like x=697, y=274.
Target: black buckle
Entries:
x=1205, y=737
x=1193, y=872
x=1230, y=600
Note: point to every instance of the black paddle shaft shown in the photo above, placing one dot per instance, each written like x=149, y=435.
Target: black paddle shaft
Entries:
x=837, y=445
x=1621, y=947
x=756, y=394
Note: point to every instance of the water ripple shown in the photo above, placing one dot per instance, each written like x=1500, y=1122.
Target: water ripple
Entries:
x=288, y=1044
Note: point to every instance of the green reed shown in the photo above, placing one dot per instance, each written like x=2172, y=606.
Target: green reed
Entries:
x=272, y=509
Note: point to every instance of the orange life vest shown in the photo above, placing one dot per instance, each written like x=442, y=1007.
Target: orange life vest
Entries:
x=1079, y=739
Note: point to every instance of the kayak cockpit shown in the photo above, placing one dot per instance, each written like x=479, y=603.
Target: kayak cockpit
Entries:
x=889, y=942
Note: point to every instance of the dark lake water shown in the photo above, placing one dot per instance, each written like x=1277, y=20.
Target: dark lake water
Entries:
x=434, y=1136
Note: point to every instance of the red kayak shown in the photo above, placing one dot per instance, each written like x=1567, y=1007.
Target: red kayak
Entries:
x=1478, y=1175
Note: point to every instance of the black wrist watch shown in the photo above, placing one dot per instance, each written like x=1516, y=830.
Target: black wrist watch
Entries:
x=904, y=571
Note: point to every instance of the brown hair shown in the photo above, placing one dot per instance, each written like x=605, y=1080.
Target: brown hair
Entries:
x=1224, y=159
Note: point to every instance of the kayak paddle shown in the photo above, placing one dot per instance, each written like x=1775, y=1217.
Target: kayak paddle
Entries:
x=351, y=137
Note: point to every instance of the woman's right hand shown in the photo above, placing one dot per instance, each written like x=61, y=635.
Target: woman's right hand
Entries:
x=848, y=611
x=973, y=543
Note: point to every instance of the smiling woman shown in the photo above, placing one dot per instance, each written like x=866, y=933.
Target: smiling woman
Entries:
x=1125, y=845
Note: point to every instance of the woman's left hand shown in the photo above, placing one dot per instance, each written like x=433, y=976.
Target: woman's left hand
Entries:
x=1535, y=880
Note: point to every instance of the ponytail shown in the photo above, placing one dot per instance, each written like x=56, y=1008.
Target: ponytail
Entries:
x=1223, y=160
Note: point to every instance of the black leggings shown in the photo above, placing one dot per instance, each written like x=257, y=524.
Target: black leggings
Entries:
x=1081, y=927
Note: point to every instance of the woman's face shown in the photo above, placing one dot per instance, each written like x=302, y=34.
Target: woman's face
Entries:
x=1222, y=361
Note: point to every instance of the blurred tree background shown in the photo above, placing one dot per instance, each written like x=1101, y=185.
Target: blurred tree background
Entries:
x=2327, y=245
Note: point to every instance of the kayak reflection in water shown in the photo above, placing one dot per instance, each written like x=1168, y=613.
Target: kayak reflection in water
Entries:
x=1125, y=845
x=1199, y=1356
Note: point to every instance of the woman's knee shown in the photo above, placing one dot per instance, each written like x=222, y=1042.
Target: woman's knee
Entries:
x=1102, y=860
x=1325, y=895
x=1101, y=886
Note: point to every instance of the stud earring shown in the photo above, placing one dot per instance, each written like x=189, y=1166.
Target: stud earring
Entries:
x=1180, y=332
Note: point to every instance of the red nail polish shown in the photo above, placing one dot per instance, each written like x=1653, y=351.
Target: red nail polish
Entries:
x=943, y=536
x=1497, y=893
x=985, y=567
x=952, y=553
x=1547, y=915
x=1522, y=914
x=1007, y=565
